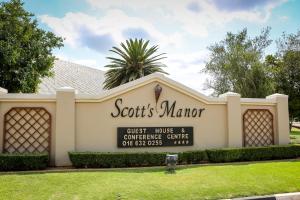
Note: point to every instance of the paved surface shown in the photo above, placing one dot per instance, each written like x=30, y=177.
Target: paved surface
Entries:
x=296, y=124
x=284, y=196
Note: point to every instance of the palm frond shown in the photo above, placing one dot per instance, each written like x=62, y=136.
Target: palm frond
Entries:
x=134, y=60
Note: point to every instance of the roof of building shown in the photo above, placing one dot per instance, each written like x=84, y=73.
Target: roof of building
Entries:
x=85, y=80
x=156, y=78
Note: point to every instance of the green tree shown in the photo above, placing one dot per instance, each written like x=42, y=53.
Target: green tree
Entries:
x=135, y=60
x=236, y=65
x=285, y=71
x=25, y=49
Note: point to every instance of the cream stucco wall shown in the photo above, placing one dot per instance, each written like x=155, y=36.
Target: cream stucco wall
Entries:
x=96, y=129
x=84, y=123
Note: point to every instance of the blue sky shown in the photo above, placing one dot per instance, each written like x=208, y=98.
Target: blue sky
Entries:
x=183, y=29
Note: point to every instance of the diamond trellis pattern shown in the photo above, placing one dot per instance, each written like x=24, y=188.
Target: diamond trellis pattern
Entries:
x=258, y=128
x=27, y=129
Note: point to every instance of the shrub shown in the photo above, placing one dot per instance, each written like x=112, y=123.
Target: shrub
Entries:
x=107, y=160
x=192, y=157
x=253, y=153
x=27, y=161
x=98, y=159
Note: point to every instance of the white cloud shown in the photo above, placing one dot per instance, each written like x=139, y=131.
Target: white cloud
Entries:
x=80, y=29
x=86, y=62
x=153, y=19
x=186, y=69
x=283, y=18
x=193, y=16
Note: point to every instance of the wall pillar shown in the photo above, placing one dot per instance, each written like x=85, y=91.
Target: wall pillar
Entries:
x=65, y=125
x=282, y=116
x=2, y=92
x=234, y=119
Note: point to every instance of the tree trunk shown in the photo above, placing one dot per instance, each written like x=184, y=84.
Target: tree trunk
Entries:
x=291, y=123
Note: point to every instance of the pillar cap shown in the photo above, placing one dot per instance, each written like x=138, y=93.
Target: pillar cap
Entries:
x=276, y=95
x=66, y=89
x=3, y=91
x=230, y=94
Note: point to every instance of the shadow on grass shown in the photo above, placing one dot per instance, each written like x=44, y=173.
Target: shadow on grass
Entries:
x=141, y=169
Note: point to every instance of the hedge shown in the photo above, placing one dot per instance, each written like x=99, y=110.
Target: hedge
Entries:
x=108, y=160
x=97, y=159
x=253, y=153
x=192, y=157
x=26, y=161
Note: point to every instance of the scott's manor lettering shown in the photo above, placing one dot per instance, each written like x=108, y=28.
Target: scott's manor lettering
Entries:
x=166, y=109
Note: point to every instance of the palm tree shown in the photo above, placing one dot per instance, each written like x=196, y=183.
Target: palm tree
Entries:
x=134, y=61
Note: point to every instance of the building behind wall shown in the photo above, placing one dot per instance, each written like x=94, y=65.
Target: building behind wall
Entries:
x=85, y=80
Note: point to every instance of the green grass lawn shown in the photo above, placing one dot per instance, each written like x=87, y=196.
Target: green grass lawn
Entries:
x=198, y=182
x=295, y=136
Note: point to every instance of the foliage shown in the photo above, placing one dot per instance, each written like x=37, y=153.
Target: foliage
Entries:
x=235, y=65
x=288, y=42
x=25, y=49
x=135, y=61
x=107, y=160
x=28, y=161
x=192, y=157
x=97, y=159
x=285, y=71
x=253, y=153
